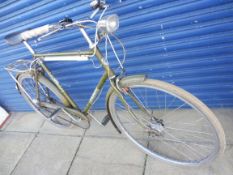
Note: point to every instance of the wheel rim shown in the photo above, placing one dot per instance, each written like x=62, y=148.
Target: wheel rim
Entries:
x=183, y=151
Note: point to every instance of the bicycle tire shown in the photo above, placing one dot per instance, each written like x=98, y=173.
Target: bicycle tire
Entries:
x=181, y=95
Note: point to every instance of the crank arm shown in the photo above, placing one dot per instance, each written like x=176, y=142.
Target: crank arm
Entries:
x=49, y=105
x=65, y=109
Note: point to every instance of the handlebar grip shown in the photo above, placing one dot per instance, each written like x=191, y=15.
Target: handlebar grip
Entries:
x=34, y=32
x=16, y=38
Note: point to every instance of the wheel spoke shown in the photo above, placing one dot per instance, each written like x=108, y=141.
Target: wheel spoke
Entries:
x=173, y=128
x=189, y=131
x=173, y=111
x=196, y=152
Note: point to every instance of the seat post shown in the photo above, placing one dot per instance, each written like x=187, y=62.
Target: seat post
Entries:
x=29, y=47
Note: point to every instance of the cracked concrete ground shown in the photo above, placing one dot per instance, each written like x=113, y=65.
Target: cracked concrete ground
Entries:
x=30, y=145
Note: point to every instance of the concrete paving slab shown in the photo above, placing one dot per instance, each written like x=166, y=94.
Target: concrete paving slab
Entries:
x=103, y=131
x=96, y=168
x=221, y=166
x=103, y=150
x=225, y=116
x=49, y=128
x=224, y=164
x=107, y=156
x=25, y=122
x=12, y=147
x=48, y=155
x=13, y=115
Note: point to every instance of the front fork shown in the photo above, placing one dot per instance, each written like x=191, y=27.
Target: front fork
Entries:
x=121, y=92
x=127, y=91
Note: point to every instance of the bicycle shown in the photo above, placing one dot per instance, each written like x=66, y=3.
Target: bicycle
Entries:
x=162, y=120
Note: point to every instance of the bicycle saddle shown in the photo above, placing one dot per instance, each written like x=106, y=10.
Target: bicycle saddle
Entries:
x=14, y=38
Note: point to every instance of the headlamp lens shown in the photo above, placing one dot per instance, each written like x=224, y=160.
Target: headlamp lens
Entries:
x=109, y=24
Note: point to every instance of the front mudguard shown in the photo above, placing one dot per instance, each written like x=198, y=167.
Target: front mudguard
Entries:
x=124, y=82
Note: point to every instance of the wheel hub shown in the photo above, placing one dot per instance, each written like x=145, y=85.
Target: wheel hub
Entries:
x=157, y=127
x=35, y=101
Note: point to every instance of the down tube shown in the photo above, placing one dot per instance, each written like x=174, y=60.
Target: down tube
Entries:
x=96, y=92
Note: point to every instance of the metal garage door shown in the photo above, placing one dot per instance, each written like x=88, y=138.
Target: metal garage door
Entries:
x=186, y=42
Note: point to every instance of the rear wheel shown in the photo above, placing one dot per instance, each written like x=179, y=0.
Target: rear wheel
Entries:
x=57, y=104
x=167, y=122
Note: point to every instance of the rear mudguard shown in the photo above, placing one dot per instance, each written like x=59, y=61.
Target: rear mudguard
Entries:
x=16, y=84
x=122, y=83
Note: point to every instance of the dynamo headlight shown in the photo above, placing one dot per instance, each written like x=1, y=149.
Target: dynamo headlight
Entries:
x=109, y=24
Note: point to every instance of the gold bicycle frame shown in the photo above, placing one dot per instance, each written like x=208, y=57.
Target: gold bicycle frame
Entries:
x=83, y=56
x=108, y=73
x=93, y=50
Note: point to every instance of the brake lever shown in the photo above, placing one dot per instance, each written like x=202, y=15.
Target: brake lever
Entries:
x=97, y=5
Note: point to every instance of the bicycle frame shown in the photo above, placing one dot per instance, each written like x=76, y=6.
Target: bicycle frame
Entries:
x=57, y=57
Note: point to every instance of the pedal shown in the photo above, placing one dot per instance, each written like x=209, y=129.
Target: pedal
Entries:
x=105, y=120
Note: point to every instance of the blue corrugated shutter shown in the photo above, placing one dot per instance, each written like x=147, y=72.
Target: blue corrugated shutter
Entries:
x=188, y=43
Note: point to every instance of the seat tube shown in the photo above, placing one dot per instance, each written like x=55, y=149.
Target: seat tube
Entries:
x=96, y=92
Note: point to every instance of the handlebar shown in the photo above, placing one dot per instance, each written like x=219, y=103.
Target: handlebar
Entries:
x=35, y=32
x=17, y=38
x=46, y=30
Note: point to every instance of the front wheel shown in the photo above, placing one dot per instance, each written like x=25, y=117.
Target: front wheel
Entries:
x=166, y=122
